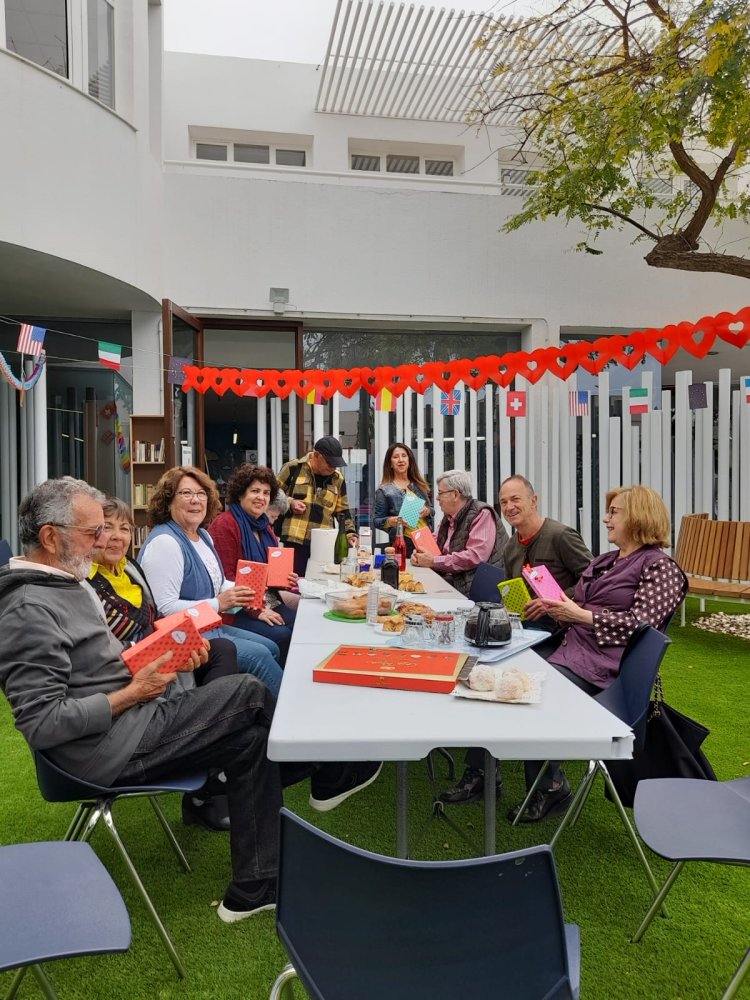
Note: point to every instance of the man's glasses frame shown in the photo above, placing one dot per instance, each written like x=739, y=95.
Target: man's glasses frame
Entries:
x=95, y=533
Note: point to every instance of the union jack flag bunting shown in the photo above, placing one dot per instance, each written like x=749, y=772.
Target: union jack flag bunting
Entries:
x=31, y=339
x=450, y=402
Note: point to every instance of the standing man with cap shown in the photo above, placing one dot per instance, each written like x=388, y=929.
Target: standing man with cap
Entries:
x=316, y=490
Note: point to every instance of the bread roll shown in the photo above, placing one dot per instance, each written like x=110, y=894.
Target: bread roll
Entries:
x=512, y=685
x=482, y=678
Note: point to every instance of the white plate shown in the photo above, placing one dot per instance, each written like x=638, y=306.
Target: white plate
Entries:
x=332, y=570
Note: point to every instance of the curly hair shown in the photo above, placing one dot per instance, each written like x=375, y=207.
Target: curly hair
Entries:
x=245, y=476
x=166, y=488
x=645, y=517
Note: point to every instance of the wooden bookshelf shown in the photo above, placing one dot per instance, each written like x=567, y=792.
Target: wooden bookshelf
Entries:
x=148, y=451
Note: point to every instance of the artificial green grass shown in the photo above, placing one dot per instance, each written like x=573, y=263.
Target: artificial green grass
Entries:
x=690, y=956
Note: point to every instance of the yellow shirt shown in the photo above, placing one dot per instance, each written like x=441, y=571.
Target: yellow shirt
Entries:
x=120, y=582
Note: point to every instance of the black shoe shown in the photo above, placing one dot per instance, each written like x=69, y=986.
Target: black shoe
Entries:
x=350, y=779
x=239, y=904
x=470, y=788
x=544, y=805
x=213, y=813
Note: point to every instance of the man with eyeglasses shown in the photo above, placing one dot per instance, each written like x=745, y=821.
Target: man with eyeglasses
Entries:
x=316, y=492
x=73, y=697
x=469, y=533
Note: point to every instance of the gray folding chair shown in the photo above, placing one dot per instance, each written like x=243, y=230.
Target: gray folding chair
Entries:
x=58, y=901
x=357, y=924
x=689, y=819
x=96, y=803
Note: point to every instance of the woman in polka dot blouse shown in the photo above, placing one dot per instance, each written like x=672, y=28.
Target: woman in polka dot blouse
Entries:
x=635, y=583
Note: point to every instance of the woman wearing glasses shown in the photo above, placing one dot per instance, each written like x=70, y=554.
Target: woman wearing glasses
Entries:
x=183, y=568
x=244, y=531
x=633, y=584
x=400, y=474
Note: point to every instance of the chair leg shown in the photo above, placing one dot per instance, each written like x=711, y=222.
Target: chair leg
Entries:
x=44, y=982
x=448, y=757
x=738, y=978
x=279, y=990
x=580, y=796
x=106, y=814
x=537, y=782
x=169, y=833
x=655, y=906
x=631, y=831
x=588, y=780
x=79, y=820
x=16, y=983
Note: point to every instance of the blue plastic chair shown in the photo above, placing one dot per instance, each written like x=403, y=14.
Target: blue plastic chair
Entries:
x=356, y=924
x=5, y=552
x=484, y=585
x=689, y=819
x=58, y=901
x=96, y=803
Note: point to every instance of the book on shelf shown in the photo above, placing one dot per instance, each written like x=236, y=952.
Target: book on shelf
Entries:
x=142, y=493
x=148, y=451
x=393, y=667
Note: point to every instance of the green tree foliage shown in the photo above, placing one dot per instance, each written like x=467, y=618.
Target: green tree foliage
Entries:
x=633, y=113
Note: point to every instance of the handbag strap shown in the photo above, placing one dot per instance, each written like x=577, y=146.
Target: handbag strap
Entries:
x=658, y=698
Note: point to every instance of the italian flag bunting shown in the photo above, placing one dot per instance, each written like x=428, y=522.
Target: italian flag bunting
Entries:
x=639, y=401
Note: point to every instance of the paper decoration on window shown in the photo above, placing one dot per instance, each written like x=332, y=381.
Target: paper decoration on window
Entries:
x=578, y=403
x=640, y=400
x=31, y=339
x=450, y=402
x=745, y=383
x=122, y=445
x=175, y=374
x=697, y=396
x=315, y=396
x=515, y=405
x=110, y=355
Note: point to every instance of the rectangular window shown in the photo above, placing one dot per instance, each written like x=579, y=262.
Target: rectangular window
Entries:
x=101, y=65
x=38, y=30
x=361, y=161
x=439, y=168
x=210, y=151
x=251, y=154
x=290, y=157
x=402, y=164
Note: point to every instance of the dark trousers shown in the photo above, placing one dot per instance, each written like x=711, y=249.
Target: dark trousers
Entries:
x=553, y=774
x=222, y=662
x=301, y=556
x=280, y=634
x=222, y=725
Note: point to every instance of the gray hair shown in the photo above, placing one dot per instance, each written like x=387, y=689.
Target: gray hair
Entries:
x=457, y=479
x=50, y=502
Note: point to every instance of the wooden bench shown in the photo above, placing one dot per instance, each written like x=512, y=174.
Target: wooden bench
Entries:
x=715, y=557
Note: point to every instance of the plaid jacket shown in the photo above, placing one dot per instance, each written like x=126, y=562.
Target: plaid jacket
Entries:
x=323, y=505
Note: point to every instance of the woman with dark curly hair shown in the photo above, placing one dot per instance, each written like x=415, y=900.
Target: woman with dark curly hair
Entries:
x=183, y=568
x=244, y=532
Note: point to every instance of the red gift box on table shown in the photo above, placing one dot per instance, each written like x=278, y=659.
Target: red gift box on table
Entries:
x=404, y=669
x=183, y=639
x=254, y=575
x=203, y=616
x=280, y=565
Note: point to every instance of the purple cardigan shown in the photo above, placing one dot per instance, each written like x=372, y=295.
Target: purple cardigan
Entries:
x=613, y=590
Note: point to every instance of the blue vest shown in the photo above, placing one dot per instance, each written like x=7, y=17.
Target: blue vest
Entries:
x=196, y=581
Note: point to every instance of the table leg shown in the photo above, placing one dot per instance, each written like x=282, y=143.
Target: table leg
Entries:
x=490, y=804
x=402, y=809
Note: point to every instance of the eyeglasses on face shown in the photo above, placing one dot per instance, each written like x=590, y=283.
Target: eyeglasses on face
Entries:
x=441, y=493
x=95, y=533
x=192, y=495
x=611, y=511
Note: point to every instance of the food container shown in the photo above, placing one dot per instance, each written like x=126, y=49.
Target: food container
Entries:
x=345, y=602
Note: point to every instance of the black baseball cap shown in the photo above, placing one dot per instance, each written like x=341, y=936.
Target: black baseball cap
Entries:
x=330, y=448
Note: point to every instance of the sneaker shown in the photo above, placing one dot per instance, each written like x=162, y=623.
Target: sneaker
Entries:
x=543, y=805
x=470, y=788
x=352, y=778
x=238, y=905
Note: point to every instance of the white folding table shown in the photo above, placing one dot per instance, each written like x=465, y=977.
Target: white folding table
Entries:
x=326, y=722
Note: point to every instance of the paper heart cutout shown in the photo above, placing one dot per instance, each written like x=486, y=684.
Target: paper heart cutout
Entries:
x=700, y=341
x=733, y=329
x=179, y=637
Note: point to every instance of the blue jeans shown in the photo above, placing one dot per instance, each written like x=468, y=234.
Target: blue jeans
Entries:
x=222, y=725
x=256, y=655
x=280, y=634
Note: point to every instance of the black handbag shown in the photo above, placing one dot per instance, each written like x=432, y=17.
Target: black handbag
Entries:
x=671, y=749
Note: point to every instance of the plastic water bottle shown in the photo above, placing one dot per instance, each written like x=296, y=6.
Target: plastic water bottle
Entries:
x=373, y=600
